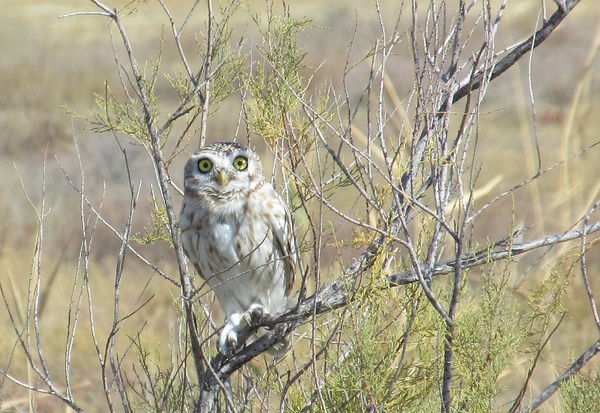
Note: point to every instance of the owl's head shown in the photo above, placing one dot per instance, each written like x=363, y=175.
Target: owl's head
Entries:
x=223, y=169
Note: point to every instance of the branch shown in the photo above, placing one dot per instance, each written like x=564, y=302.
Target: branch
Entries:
x=485, y=256
x=337, y=295
x=111, y=342
x=572, y=370
x=510, y=59
x=162, y=177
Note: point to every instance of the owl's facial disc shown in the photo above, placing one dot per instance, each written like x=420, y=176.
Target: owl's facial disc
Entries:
x=224, y=176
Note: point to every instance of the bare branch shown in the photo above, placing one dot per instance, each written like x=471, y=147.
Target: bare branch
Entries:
x=586, y=280
x=515, y=55
x=485, y=256
x=567, y=375
x=163, y=182
x=111, y=344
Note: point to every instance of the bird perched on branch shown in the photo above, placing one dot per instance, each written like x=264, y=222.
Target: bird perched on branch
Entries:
x=236, y=231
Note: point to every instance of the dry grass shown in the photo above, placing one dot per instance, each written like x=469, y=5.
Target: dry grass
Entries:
x=49, y=62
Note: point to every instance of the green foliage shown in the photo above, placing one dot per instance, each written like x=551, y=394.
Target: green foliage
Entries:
x=365, y=373
x=487, y=340
x=581, y=393
x=120, y=116
x=546, y=298
x=123, y=115
x=231, y=65
x=365, y=366
x=220, y=76
x=374, y=366
x=158, y=229
x=159, y=386
x=277, y=85
x=546, y=304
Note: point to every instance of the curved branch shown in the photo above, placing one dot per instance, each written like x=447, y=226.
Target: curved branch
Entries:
x=485, y=256
x=162, y=176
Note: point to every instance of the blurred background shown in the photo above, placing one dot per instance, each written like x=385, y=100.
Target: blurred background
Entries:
x=51, y=66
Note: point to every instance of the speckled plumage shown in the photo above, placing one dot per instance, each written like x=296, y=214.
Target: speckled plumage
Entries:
x=236, y=230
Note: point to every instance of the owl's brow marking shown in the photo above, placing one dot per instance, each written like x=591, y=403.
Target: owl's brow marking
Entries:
x=227, y=147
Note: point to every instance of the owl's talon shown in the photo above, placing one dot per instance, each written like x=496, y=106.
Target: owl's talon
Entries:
x=228, y=340
x=254, y=314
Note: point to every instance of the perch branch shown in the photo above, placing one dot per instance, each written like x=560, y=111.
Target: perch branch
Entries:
x=337, y=295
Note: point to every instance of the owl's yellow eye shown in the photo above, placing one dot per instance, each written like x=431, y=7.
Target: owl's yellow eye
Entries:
x=204, y=165
x=240, y=163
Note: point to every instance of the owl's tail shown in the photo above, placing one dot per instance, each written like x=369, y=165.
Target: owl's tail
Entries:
x=280, y=348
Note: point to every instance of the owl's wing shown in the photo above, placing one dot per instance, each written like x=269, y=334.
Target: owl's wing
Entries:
x=285, y=244
x=190, y=228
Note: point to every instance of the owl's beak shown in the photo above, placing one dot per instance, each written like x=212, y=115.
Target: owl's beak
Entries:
x=223, y=178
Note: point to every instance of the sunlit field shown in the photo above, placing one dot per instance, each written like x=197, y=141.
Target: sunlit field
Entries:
x=52, y=68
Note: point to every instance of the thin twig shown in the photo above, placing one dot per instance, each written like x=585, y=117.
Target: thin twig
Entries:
x=584, y=274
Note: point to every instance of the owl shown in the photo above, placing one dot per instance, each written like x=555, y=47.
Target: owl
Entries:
x=236, y=231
